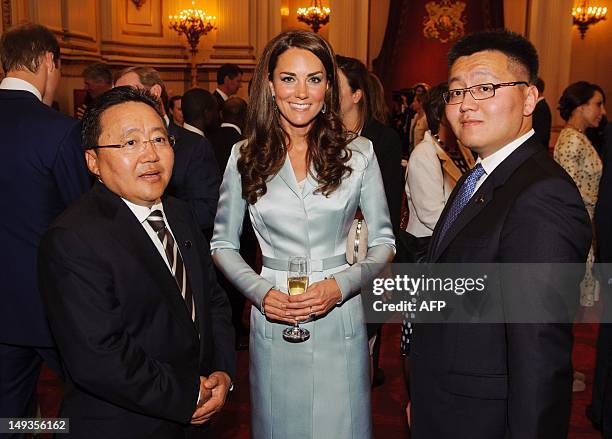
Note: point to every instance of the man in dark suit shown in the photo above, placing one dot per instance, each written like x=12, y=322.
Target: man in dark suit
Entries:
x=195, y=177
x=141, y=324
x=229, y=81
x=494, y=381
x=42, y=172
x=200, y=112
x=542, y=119
x=600, y=410
x=229, y=133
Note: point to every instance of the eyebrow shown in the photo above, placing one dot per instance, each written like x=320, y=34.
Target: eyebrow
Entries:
x=132, y=130
x=308, y=75
x=477, y=73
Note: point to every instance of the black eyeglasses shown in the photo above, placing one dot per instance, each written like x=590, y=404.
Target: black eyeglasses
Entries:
x=133, y=146
x=479, y=92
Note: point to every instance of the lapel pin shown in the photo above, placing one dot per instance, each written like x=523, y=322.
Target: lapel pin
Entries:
x=480, y=199
x=188, y=244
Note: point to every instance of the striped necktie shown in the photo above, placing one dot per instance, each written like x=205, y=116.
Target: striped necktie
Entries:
x=463, y=197
x=156, y=221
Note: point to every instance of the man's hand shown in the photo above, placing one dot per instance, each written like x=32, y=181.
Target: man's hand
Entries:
x=80, y=112
x=318, y=299
x=216, y=386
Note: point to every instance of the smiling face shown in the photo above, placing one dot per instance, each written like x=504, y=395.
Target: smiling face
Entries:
x=486, y=126
x=299, y=83
x=139, y=177
x=593, y=111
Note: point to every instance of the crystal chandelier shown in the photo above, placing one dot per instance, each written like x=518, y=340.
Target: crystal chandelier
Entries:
x=193, y=23
x=314, y=16
x=585, y=15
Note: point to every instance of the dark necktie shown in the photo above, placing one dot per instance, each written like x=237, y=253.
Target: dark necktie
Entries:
x=156, y=221
x=463, y=197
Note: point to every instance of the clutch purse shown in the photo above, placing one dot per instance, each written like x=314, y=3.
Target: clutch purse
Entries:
x=357, y=242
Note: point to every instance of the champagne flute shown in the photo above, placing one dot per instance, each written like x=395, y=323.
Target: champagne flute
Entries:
x=297, y=283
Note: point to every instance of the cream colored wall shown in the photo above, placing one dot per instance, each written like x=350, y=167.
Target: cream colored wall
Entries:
x=120, y=34
x=592, y=57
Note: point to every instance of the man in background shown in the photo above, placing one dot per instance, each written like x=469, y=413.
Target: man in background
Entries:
x=195, y=176
x=42, y=172
x=229, y=133
x=229, y=81
x=200, y=112
x=542, y=118
x=97, y=78
x=176, y=111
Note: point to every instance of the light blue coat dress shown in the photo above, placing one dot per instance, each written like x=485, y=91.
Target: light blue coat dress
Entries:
x=319, y=388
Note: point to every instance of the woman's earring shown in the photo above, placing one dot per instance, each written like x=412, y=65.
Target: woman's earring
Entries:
x=324, y=109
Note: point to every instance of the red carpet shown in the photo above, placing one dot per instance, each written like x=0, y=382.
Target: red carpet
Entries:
x=388, y=400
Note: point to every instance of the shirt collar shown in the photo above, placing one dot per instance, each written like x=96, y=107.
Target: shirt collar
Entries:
x=494, y=160
x=143, y=212
x=167, y=120
x=223, y=95
x=231, y=125
x=541, y=98
x=10, y=83
x=193, y=129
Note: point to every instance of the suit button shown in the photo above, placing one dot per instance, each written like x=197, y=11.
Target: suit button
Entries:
x=188, y=244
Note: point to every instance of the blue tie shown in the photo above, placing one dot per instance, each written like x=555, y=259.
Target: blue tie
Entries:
x=463, y=197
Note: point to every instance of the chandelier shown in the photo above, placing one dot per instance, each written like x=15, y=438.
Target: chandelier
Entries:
x=314, y=16
x=193, y=23
x=585, y=16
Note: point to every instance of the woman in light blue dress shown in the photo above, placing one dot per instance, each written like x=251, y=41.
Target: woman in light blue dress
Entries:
x=302, y=178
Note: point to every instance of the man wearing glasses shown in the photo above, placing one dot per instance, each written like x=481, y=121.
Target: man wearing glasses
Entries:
x=143, y=329
x=503, y=379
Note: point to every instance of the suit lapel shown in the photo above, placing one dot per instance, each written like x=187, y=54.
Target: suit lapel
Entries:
x=481, y=198
x=288, y=176
x=448, y=165
x=185, y=242
x=129, y=233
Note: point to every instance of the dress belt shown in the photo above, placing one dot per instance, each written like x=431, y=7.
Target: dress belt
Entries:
x=315, y=264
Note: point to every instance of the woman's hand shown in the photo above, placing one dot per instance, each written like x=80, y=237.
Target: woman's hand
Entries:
x=318, y=299
x=274, y=306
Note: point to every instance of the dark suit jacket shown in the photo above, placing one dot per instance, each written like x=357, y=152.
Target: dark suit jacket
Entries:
x=388, y=150
x=42, y=172
x=542, y=120
x=222, y=139
x=220, y=100
x=131, y=352
x=486, y=381
x=195, y=176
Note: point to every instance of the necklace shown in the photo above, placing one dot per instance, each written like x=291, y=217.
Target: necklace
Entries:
x=576, y=128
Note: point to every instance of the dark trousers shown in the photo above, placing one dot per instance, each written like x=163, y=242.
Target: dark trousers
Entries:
x=19, y=371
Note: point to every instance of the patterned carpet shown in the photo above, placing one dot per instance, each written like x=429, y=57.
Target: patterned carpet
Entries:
x=388, y=400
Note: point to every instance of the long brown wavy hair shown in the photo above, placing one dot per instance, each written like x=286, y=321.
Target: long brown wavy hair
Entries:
x=264, y=152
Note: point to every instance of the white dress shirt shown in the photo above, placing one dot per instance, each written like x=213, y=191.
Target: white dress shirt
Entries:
x=142, y=213
x=193, y=129
x=223, y=95
x=231, y=125
x=10, y=83
x=494, y=160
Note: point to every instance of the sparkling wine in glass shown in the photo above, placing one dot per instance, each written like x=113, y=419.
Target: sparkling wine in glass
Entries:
x=298, y=274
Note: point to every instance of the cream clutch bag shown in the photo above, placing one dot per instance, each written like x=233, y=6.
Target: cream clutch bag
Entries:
x=357, y=242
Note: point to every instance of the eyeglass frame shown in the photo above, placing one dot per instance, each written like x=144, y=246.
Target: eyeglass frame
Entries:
x=171, y=141
x=446, y=94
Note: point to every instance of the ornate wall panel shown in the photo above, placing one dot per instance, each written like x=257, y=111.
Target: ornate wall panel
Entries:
x=234, y=34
